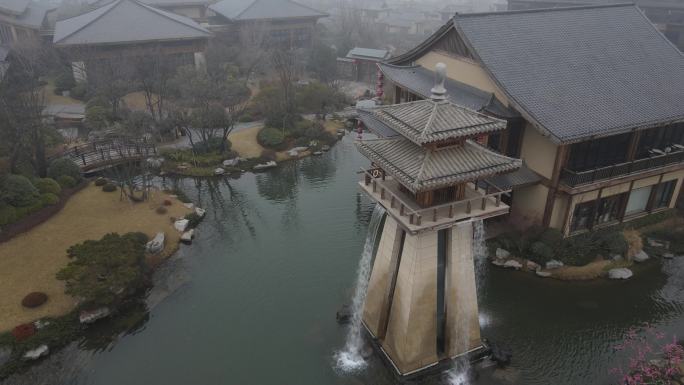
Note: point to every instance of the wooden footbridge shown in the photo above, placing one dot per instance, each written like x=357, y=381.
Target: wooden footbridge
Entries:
x=106, y=153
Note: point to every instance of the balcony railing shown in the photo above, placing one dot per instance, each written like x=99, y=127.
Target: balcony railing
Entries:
x=577, y=178
x=478, y=202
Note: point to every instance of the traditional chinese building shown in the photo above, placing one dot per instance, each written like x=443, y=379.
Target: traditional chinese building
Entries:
x=430, y=174
x=592, y=99
x=121, y=30
x=360, y=64
x=21, y=20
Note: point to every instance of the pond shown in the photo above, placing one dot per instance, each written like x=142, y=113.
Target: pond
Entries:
x=253, y=300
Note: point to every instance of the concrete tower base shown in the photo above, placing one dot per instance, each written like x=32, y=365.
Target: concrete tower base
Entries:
x=421, y=305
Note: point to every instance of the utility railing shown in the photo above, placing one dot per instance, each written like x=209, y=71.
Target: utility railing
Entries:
x=379, y=185
x=576, y=178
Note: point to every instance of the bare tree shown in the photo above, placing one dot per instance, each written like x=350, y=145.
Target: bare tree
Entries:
x=284, y=65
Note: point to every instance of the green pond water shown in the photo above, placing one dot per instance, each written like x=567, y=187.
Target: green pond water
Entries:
x=253, y=300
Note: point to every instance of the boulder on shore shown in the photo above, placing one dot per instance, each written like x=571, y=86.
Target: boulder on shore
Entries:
x=512, y=264
x=531, y=265
x=187, y=236
x=553, y=264
x=542, y=273
x=264, y=166
x=502, y=253
x=156, y=245
x=36, y=353
x=219, y=171
x=189, y=205
x=231, y=162
x=620, y=273
x=641, y=257
x=181, y=225
x=90, y=316
x=200, y=212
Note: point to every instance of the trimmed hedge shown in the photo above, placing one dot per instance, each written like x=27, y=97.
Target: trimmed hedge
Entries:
x=49, y=199
x=66, y=181
x=47, y=185
x=17, y=190
x=270, y=137
x=8, y=214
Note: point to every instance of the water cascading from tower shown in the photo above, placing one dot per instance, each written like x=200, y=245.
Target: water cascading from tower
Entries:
x=349, y=358
x=459, y=374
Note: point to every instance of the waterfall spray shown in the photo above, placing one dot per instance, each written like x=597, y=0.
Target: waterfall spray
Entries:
x=350, y=359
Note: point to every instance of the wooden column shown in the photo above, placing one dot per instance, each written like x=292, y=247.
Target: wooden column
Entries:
x=561, y=158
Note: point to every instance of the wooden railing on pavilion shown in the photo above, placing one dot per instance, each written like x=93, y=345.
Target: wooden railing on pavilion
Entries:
x=576, y=178
x=449, y=210
x=110, y=152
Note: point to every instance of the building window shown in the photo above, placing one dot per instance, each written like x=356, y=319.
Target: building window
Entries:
x=660, y=139
x=638, y=200
x=663, y=194
x=583, y=216
x=609, y=208
x=599, y=153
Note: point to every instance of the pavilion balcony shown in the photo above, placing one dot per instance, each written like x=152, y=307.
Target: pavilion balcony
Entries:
x=578, y=178
x=479, y=203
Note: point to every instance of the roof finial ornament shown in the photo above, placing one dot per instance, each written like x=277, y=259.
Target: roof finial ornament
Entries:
x=438, y=91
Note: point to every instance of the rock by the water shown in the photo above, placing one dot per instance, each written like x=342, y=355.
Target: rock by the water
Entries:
x=36, y=353
x=498, y=262
x=200, y=212
x=542, y=273
x=189, y=205
x=512, y=264
x=318, y=153
x=641, y=256
x=344, y=314
x=502, y=253
x=658, y=243
x=156, y=245
x=325, y=147
x=620, y=273
x=187, y=236
x=616, y=257
x=90, y=316
x=293, y=153
x=264, y=166
x=668, y=256
x=219, y=171
x=181, y=225
x=553, y=264
x=531, y=265
x=231, y=162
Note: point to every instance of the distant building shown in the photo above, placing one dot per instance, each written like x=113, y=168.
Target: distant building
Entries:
x=360, y=64
x=666, y=15
x=283, y=23
x=125, y=29
x=592, y=97
x=21, y=20
x=194, y=9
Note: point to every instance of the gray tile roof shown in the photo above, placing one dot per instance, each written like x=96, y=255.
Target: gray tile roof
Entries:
x=580, y=72
x=420, y=80
x=420, y=169
x=125, y=21
x=15, y=7
x=427, y=121
x=367, y=53
x=263, y=9
x=519, y=178
x=673, y=4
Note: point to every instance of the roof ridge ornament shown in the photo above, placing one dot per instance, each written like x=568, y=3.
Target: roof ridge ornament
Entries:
x=438, y=91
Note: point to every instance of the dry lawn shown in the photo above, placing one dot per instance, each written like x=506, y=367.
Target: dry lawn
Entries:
x=51, y=98
x=245, y=142
x=30, y=261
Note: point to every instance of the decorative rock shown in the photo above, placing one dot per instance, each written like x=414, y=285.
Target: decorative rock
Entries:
x=616, y=257
x=189, y=205
x=553, y=264
x=318, y=153
x=293, y=153
x=181, y=224
x=264, y=166
x=36, y=353
x=344, y=315
x=90, y=316
x=543, y=274
x=531, y=265
x=668, y=256
x=641, y=256
x=502, y=254
x=512, y=264
x=658, y=243
x=200, y=212
x=620, y=273
x=300, y=149
x=219, y=171
x=498, y=262
x=231, y=162
x=187, y=236
x=325, y=148
x=156, y=245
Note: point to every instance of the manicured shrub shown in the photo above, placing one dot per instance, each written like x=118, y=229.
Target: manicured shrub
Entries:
x=49, y=199
x=34, y=299
x=32, y=208
x=109, y=187
x=161, y=210
x=99, y=182
x=270, y=137
x=540, y=252
x=17, y=190
x=47, y=185
x=8, y=214
x=66, y=181
x=64, y=166
x=23, y=331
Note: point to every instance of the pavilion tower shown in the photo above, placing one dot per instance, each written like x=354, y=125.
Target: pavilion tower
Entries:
x=430, y=174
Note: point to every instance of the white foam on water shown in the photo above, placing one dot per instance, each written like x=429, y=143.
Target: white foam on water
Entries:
x=349, y=359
